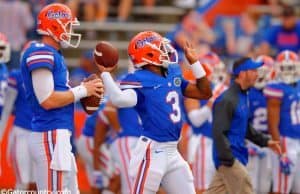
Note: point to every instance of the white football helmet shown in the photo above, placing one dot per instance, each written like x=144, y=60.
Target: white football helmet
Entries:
x=265, y=73
x=287, y=66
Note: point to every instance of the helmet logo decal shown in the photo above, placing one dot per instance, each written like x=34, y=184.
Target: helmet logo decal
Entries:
x=58, y=15
x=142, y=43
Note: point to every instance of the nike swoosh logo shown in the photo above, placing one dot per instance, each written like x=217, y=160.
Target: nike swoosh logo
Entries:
x=157, y=151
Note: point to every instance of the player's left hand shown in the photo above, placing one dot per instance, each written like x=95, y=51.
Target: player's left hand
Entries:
x=190, y=52
x=275, y=146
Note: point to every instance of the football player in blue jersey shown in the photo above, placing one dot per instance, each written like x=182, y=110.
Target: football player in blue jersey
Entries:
x=260, y=160
x=4, y=58
x=283, y=106
x=156, y=90
x=199, y=117
x=45, y=77
x=16, y=103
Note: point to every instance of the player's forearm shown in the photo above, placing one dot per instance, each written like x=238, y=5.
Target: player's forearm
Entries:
x=58, y=99
x=274, y=132
x=257, y=137
x=119, y=98
x=202, y=83
x=203, y=86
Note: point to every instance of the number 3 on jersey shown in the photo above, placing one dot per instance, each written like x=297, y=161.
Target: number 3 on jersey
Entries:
x=173, y=99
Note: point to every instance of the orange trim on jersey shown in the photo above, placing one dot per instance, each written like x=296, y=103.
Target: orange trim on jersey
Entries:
x=146, y=169
x=59, y=173
x=129, y=156
x=196, y=169
x=203, y=162
x=59, y=180
x=40, y=53
x=47, y=151
x=137, y=178
x=285, y=176
x=88, y=146
x=15, y=161
x=142, y=173
x=39, y=61
x=127, y=148
x=279, y=178
x=124, y=163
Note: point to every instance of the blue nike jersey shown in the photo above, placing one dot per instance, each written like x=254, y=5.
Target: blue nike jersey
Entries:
x=3, y=84
x=130, y=122
x=258, y=110
x=22, y=109
x=289, y=124
x=205, y=128
x=159, y=103
x=40, y=55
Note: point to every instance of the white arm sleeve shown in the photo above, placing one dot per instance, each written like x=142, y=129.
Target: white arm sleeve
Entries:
x=9, y=100
x=118, y=97
x=43, y=83
x=199, y=116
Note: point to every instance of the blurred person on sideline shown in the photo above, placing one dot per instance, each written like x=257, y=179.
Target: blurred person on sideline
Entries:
x=18, y=146
x=15, y=20
x=191, y=28
x=267, y=13
x=230, y=128
x=236, y=35
x=97, y=10
x=260, y=160
x=285, y=36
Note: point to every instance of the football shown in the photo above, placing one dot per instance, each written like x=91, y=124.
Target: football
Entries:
x=105, y=54
x=90, y=104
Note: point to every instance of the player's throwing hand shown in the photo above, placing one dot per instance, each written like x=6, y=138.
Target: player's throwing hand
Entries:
x=190, y=53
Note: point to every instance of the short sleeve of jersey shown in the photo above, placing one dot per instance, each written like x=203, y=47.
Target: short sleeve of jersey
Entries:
x=13, y=79
x=273, y=91
x=39, y=57
x=130, y=82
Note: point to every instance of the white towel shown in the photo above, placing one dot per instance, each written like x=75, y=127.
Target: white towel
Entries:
x=62, y=156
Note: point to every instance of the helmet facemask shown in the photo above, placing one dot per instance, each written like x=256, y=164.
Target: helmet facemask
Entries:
x=68, y=37
x=4, y=52
x=287, y=71
x=219, y=74
x=263, y=77
x=168, y=55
